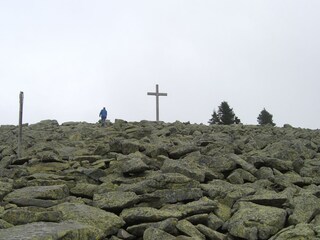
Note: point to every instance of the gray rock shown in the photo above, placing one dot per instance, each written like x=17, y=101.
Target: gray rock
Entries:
x=134, y=165
x=108, y=222
x=217, y=189
x=25, y=202
x=130, y=146
x=40, y=192
x=160, y=181
x=181, y=151
x=198, y=219
x=123, y=234
x=203, y=205
x=167, y=225
x=299, y=231
x=214, y=222
x=157, y=234
x=179, y=166
x=4, y=224
x=84, y=190
x=211, y=234
x=176, y=195
x=268, y=198
x=252, y=221
x=147, y=214
x=115, y=201
x=305, y=207
x=5, y=187
x=187, y=228
x=50, y=230
x=18, y=216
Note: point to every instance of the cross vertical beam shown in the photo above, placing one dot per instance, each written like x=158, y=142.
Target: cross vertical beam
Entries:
x=157, y=94
x=20, y=124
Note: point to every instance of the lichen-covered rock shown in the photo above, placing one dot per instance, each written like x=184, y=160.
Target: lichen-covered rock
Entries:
x=157, y=234
x=160, y=181
x=18, y=216
x=300, y=231
x=39, y=192
x=133, y=166
x=115, y=201
x=210, y=233
x=167, y=225
x=108, y=222
x=51, y=231
x=147, y=214
x=84, y=190
x=203, y=205
x=178, y=166
x=190, y=230
x=5, y=187
x=252, y=221
x=176, y=195
x=228, y=192
x=228, y=182
x=305, y=207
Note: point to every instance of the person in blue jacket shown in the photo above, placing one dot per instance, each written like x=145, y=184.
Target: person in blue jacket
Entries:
x=103, y=114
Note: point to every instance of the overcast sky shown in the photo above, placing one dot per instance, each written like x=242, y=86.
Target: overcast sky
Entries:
x=73, y=57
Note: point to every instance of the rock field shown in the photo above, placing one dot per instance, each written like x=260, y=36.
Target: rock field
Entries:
x=149, y=180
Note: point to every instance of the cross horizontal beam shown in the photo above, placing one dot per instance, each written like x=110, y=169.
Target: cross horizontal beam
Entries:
x=157, y=94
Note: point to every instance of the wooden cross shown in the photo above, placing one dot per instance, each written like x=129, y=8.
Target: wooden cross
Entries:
x=157, y=94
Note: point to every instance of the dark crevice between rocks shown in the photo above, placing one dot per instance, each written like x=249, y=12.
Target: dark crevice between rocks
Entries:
x=237, y=151
x=277, y=187
x=85, y=196
x=227, y=173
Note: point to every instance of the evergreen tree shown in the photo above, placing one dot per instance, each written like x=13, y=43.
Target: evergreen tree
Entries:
x=237, y=120
x=226, y=114
x=265, y=118
x=214, y=118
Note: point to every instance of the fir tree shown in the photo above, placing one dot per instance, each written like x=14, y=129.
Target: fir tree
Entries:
x=214, y=118
x=265, y=118
x=226, y=114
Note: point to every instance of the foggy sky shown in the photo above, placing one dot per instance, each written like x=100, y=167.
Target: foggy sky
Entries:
x=71, y=58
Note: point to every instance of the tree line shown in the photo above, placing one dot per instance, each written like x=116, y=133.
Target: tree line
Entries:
x=226, y=116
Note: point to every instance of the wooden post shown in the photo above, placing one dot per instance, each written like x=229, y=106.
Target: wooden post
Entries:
x=20, y=125
x=157, y=94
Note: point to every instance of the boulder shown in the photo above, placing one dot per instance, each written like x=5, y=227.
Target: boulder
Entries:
x=115, y=201
x=304, y=207
x=147, y=214
x=39, y=192
x=190, y=230
x=299, y=231
x=167, y=225
x=179, y=166
x=133, y=166
x=84, y=190
x=252, y=221
x=157, y=234
x=176, y=195
x=18, y=216
x=203, y=205
x=210, y=233
x=50, y=230
x=160, y=181
x=108, y=222
x=5, y=188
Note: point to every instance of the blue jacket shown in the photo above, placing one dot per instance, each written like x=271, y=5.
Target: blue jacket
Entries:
x=103, y=113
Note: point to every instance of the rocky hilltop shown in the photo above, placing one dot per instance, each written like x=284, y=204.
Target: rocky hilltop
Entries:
x=148, y=180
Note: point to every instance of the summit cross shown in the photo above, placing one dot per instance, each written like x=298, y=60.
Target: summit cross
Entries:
x=157, y=94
